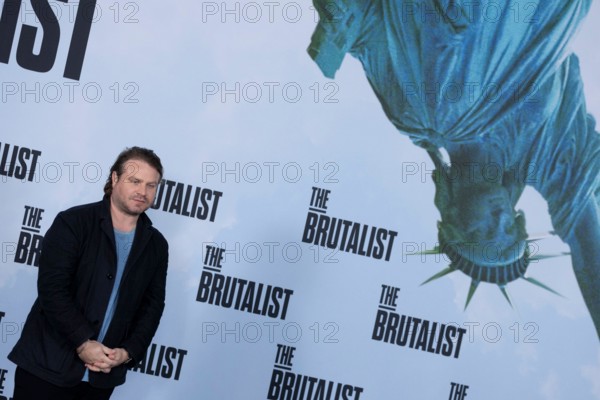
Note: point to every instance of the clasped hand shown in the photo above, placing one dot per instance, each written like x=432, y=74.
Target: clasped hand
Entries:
x=99, y=358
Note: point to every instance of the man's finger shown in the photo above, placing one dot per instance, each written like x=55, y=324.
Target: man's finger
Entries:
x=92, y=368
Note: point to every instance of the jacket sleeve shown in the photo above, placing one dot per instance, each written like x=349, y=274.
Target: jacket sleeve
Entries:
x=56, y=277
x=150, y=311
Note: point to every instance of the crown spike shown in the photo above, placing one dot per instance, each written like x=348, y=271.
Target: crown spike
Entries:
x=539, y=236
x=472, y=290
x=505, y=293
x=443, y=272
x=435, y=250
x=540, y=284
x=547, y=256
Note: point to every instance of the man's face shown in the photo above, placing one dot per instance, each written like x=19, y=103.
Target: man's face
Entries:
x=133, y=192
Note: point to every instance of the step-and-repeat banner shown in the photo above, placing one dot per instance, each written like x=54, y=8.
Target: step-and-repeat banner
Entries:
x=292, y=205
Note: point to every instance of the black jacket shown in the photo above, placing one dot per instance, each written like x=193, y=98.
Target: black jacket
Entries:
x=76, y=275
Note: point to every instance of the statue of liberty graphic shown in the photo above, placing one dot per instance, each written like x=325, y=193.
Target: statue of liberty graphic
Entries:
x=489, y=83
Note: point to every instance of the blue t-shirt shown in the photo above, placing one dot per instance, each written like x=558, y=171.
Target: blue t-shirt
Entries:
x=123, y=241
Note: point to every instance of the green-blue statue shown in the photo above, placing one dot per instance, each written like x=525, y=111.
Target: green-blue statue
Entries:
x=493, y=85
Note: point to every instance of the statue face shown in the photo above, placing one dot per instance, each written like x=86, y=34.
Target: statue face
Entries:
x=484, y=225
x=485, y=213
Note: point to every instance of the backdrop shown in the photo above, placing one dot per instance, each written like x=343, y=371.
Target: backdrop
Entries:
x=259, y=148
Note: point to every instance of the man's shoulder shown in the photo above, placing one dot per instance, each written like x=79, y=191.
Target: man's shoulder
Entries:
x=81, y=214
x=75, y=222
x=83, y=210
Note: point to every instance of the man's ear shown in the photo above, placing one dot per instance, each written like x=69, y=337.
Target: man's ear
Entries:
x=114, y=177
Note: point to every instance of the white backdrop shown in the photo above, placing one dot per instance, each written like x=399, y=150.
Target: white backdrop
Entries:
x=226, y=94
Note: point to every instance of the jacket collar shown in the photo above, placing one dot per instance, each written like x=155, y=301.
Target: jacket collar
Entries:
x=143, y=231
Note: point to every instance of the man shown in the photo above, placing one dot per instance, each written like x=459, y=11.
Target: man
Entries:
x=494, y=85
x=101, y=290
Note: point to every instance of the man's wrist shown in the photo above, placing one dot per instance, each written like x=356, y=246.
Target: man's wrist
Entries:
x=127, y=356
